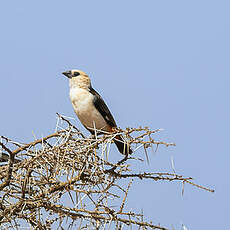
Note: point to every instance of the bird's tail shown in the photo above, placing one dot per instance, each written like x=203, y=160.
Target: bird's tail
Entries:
x=123, y=148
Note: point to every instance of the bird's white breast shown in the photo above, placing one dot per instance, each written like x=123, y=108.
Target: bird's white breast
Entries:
x=82, y=101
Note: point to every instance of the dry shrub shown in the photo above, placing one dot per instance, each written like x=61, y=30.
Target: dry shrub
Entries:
x=65, y=180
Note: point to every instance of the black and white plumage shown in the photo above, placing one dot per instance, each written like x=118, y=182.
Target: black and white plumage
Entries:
x=91, y=108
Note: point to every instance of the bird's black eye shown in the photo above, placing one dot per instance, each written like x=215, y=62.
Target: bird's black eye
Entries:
x=76, y=74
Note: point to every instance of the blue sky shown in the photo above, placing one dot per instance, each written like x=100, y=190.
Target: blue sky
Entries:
x=162, y=64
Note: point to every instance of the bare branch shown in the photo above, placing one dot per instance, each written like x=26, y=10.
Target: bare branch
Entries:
x=68, y=180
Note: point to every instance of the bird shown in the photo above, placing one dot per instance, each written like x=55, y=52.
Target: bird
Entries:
x=91, y=109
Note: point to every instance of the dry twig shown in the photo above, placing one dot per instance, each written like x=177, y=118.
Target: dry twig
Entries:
x=64, y=180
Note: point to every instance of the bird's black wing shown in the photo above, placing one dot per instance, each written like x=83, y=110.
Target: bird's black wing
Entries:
x=102, y=108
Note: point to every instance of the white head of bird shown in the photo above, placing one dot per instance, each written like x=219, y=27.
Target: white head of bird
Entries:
x=78, y=78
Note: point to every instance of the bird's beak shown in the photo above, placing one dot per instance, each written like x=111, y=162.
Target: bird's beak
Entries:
x=67, y=74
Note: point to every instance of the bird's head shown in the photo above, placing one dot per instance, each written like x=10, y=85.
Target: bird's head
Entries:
x=78, y=78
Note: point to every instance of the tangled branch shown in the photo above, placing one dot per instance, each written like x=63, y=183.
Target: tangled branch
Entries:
x=66, y=179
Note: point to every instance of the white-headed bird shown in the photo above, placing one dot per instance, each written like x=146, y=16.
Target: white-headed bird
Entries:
x=91, y=109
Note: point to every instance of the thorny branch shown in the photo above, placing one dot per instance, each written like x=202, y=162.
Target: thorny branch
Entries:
x=67, y=180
